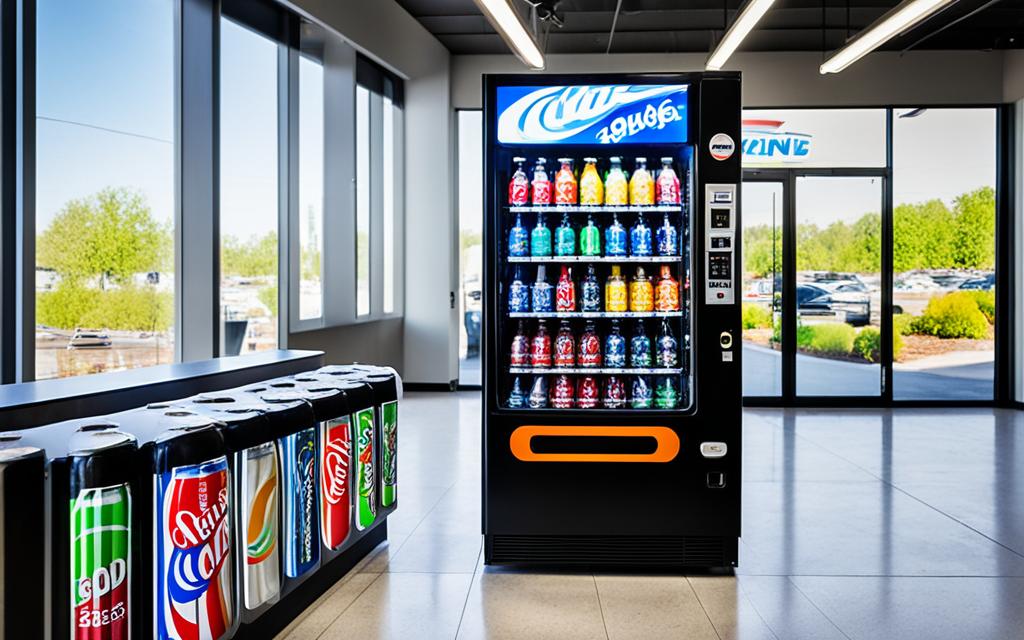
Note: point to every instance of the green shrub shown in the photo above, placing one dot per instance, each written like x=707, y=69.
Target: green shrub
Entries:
x=954, y=315
x=756, y=316
x=902, y=324
x=868, y=344
x=128, y=308
x=986, y=301
x=804, y=336
x=832, y=338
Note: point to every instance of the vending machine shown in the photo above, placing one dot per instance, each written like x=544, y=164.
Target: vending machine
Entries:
x=612, y=406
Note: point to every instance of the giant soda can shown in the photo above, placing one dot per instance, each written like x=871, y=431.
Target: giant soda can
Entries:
x=22, y=537
x=299, y=495
x=335, y=472
x=389, y=453
x=366, y=468
x=259, y=525
x=101, y=564
x=195, y=585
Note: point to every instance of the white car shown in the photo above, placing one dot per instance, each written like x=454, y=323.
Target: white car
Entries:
x=89, y=340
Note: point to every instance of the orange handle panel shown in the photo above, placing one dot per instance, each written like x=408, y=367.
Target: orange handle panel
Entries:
x=666, y=439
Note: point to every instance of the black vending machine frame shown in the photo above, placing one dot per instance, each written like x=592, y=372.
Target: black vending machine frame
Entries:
x=683, y=512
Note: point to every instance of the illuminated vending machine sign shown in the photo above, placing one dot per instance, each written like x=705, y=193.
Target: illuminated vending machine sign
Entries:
x=592, y=114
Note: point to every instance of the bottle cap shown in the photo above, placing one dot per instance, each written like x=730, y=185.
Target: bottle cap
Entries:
x=591, y=160
x=615, y=159
x=541, y=273
x=518, y=159
x=641, y=159
x=667, y=160
x=541, y=160
x=565, y=160
x=616, y=270
x=640, y=272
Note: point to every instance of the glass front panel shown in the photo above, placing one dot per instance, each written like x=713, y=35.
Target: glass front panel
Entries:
x=248, y=190
x=471, y=221
x=762, y=288
x=944, y=221
x=838, y=288
x=311, y=187
x=104, y=186
x=363, y=191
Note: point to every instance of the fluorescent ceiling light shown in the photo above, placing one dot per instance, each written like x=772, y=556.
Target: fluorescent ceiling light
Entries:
x=507, y=22
x=749, y=16
x=901, y=17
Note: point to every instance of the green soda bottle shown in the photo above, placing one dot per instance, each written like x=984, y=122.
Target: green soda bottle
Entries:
x=366, y=470
x=590, y=239
x=540, y=238
x=665, y=394
x=565, y=238
x=389, y=452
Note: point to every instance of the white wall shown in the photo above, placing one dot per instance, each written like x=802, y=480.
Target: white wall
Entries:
x=426, y=347
x=786, y=79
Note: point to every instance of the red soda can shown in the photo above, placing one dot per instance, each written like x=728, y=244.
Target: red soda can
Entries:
x=565, y=347
x=519, y=186
x=540, y=348
x=589, y=348
x=587, y=393
x=563, y=395
x=565, y=292
x=614, y=393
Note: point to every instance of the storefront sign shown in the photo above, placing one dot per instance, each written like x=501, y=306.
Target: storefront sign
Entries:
x=814, y=138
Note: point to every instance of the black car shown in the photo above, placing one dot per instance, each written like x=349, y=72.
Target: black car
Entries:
x=980, y=284
x=849, y=301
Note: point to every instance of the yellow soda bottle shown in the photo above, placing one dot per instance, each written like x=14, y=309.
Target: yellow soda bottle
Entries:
x=641, y=185
x=616, y=187
x=591, y=187
x=641, y=292
x=616, y=298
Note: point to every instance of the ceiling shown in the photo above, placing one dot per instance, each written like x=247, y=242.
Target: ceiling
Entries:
x=675, y=26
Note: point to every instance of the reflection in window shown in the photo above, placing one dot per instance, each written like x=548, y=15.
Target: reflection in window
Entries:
x=104, y=186
x=248, y=190
x=388, y=202
x=363, y=188
x=311, y=187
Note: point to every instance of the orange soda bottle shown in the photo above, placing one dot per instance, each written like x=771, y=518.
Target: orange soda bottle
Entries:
x=616, y=186
x=591, y=187
x=641, y=292
x=666, y=296
x=565, y=183
x=641, y=185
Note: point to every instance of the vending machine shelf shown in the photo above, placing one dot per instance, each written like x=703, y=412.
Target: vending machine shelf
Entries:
x=575, y=208
x=587, y=259
x=568, y=315
x=644, y=371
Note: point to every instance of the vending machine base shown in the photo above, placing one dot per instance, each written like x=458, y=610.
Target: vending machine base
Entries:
x=648, y=552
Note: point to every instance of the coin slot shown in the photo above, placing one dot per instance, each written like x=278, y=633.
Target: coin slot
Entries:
x=716, y=480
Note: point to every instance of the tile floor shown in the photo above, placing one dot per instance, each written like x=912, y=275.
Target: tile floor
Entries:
x=900, y=524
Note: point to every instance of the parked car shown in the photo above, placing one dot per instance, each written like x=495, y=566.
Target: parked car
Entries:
x=846, y=300
x=84, y=339
x=984, y=284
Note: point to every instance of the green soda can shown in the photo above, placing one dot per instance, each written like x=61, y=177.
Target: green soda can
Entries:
x=389, y=451
x=540, y=238
x=565, y=238
x=366, y=509
x=665, y=394
x=100, y=562
x=590, y=239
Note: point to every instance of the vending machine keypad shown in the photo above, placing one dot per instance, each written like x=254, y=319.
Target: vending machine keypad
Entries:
x=720, y=234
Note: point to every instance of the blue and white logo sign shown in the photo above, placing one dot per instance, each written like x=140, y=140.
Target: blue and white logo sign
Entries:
x=592, y=114
x=765, y=141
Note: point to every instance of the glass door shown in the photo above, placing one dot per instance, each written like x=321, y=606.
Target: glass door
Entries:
x=764, y=206
x=471, y=220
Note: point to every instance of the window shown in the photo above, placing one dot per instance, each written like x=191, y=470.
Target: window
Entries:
x=388, y=199
x=248, y=190
x=105, y=184
x=364, y=179
x=471, y=228
x=311, y=187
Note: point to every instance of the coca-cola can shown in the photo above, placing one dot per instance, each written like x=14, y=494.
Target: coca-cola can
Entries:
x=565, y=350
x=589, y=350
x=614, y=393
x=563, y=393
x=587, y=393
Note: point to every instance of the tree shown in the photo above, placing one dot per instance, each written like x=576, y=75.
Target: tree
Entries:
x=974, y=244
x=759, y=254
x=256, y=257
x=922, y=236
x=108, y=237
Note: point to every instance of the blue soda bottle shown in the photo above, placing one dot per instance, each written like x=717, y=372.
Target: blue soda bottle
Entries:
x=668, y=348
x=517, y=397
x=615, y=348
x=640, y=238
x=668, y=239
x=543, y=293
x=540, y=238
x=565, y=238
x=518, y=294
x=518, y=239
x=615, y=238
x=640, y=348
x=590, y=291
x=641, y=393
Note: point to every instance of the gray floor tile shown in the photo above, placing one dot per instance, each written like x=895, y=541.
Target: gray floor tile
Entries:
x=730, y=611
x=652, y=608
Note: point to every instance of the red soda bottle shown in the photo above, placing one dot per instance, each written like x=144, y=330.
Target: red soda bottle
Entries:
x=519, y=186
x=590, y=347
x=563, y=395
x=587, y=393
x=565, y=183
x=565, y=346
x=668, y=183
x=520, y=352
x=614, y=393
x=565, y=293
x=540, y=349
x=541, y=186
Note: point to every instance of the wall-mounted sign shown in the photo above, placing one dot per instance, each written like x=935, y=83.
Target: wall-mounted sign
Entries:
x=814, y=138
x=770, y=141
x=592, y=114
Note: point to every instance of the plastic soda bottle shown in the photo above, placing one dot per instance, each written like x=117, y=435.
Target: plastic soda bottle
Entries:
x=519, y=354
x=538, y=398
x=616, y=187
x=519, y=186
x=641, y=292
x=540, y=346
x=540, y=188
x=615, y=238
x=565, y=346
x=517, y=397
x=589, y=347
x=641, y=184
x=666, y=296
x=565, y=183
x=591, y=187
x=586, y=393
x=518, y=239
x=542, y=294
x=665, y=394
x=616, y=298
x=590, y=295
x=590, y=239
x=565, y=238
x=615, y=348
x=668, y=183
x=614, y=393
x=668, y=348
x=518, y=294
x=565, y=292
x=540, y=238
x=639, y=238
x=640, y=348
x=642, y=394
x=563, y=395
x=668, y=238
